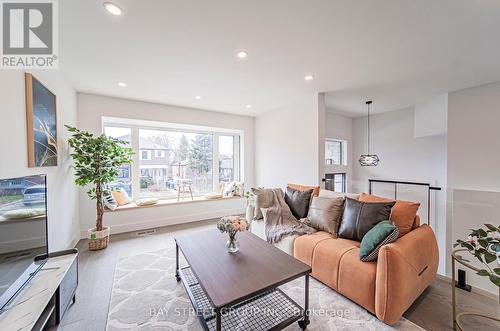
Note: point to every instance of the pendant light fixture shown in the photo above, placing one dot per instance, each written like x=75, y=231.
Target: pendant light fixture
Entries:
x=367, y=160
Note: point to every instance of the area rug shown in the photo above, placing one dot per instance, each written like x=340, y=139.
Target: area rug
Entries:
x=146, y=296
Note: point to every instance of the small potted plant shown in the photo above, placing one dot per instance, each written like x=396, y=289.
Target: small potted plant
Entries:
x=484, y=244
x=232, y=225
x=96, y=162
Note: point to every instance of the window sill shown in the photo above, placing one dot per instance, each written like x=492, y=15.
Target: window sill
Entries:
x=132, y=206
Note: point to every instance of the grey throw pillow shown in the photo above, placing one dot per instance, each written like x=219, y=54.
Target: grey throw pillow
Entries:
x=262, y=200
x=325, y=214
x=360, y=217
x=298, y=201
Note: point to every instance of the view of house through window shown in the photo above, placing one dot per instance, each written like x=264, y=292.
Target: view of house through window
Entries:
x=166, y=157
x=335, y=151
x=124, y=179
x=226, y=159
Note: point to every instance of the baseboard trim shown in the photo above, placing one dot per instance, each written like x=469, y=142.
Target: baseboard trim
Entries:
x=474, y=289
x=160, y=222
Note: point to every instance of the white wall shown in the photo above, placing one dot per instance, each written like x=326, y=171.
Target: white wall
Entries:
x=287, y=144
x=403, y=157
x=340, y=127
x=473, y=159
x=431, y=117
x=62, y=197
x=91, y=109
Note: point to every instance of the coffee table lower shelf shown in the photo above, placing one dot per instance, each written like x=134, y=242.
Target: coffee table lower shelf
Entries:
x=271, y=310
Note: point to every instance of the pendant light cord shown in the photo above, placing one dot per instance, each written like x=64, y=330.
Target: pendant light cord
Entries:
x=368, y=104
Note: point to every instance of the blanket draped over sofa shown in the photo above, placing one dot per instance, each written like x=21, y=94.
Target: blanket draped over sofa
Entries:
x=278, y=218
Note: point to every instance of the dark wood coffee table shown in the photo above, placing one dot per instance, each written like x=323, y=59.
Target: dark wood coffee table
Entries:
x=240, y=290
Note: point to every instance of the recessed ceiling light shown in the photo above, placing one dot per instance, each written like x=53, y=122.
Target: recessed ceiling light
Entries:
x=197, y=97
x=248, y=106
x=308, y=77
x=112, y=8
x=241, y=54
x=122, y=84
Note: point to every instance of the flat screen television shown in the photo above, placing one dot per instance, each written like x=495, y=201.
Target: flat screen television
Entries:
x=23, y=233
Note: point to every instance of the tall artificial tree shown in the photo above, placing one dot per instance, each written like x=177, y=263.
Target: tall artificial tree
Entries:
x=96, y=162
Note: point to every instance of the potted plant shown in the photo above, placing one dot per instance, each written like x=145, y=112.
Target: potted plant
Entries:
x=96, y=162
x=484, y=245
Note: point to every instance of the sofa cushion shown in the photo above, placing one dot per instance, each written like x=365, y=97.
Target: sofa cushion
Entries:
x=381, y=234
x=325, y=214
x=298, y=201
x=299, y=187
x=327, y=257
x=359, y=217
x=357, y=279
x=304, y=246
x=402, y=214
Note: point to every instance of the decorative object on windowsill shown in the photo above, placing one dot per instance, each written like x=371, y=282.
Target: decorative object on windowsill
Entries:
x=232, y=225
x=96, y=162
x=484, y=245
x=233, y=189
x=368, y=159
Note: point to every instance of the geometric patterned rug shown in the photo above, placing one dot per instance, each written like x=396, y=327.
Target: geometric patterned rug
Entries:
x=146, y=297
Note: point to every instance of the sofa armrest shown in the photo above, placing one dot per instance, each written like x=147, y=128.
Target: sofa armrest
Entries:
x=404, y=270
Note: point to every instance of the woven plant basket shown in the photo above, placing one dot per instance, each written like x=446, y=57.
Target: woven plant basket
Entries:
x=98, y=239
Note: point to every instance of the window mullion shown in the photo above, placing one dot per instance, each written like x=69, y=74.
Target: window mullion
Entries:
x=215, y=145
x=136, y=171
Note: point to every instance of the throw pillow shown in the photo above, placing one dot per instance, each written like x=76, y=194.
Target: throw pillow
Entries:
x=109, y=200
x=229, y=189
x=325, y=214
x=146, y=202
x=403, y=213
x=24, y=213
x=262, y=200
x=213, y=196
x=359, y=217
x=298, y=201
x=121, y=197
x=381, y=234
x=332, y=194
x=299, y=187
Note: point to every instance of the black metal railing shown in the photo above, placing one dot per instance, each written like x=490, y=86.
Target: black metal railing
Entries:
x=430, y=189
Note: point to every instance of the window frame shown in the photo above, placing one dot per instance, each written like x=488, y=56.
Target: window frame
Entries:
x=148, y=152
x=344, y=180
x=342, y=152
x=136, y=125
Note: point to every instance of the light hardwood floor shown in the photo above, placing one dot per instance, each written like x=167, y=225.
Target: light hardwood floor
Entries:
x=431, y=311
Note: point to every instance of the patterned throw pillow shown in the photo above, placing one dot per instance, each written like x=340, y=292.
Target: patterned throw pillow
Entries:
x=381, y=234
x=109, y=200
x=121, y=197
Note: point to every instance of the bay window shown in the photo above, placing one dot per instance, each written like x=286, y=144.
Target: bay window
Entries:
x=167, y=154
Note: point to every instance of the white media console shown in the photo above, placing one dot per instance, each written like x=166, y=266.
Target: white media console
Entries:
x=44, y=300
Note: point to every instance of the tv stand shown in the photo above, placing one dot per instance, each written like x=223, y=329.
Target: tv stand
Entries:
x=46, y=297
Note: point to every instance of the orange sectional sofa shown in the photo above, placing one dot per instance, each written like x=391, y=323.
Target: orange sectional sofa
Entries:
x=386, y=287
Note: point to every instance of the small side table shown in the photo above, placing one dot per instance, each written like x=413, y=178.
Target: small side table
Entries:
x=456, y=317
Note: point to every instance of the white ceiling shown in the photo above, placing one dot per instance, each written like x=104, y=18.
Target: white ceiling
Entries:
x=397, y=52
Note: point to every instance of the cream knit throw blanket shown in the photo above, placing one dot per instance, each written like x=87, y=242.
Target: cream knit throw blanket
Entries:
x=278, y=218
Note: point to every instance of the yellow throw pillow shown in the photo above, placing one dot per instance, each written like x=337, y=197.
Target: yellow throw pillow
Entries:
x=121, y=197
